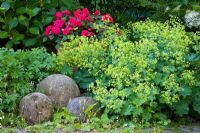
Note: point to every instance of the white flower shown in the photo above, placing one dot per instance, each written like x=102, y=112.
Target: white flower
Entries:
x=167, y=8
x=192, y=19
x=1, y=117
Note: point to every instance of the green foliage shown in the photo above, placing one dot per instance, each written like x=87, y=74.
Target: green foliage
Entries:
x=64, y=116
x=194, y=58
x=131, y=10
x=11, y=119
x=19, y=73
x=23, y=22
x=142, y=75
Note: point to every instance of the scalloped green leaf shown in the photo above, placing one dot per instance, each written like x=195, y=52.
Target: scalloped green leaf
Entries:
x=5, y=5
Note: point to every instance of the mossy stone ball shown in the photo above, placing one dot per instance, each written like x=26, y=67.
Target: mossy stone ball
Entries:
x=79, y=105
x=59, y=88
x=36, y=108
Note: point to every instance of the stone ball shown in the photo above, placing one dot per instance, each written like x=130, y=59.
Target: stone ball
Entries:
x=79, y=105
x=36, y=108
x=59, y=88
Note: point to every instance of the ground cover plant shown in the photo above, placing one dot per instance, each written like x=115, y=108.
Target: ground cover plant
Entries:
x=20, y=71
x=144, y=76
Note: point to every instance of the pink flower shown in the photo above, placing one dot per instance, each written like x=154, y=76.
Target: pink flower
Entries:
x=55, y=30
x=97, y=12
x=47, y=30
x=58, y=15
x=86, y=33
x=85, y=11
x=67, y=30
x=89, y=29
x=107, y=17
x=66, y=12
x=77, y=13
x=90, y=19
x=82, y=15
x=75, y=22
x=59, y=23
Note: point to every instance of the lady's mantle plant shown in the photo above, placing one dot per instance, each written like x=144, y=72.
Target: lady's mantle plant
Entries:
x=81, y=22
x=143, y=79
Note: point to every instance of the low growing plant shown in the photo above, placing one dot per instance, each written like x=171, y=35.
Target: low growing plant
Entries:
x=143, y=76
x=19, y=73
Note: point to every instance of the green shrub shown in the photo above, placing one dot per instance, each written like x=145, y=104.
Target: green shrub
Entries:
x=19, y=73
x=194, y=59
x=147, y=78
x=22, y=23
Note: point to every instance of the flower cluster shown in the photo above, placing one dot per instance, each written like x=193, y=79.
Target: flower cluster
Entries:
x=192, y=19
x=81, y=22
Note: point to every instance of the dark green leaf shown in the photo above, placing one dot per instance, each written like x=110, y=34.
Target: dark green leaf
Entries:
x=48, y=20
x=34, y=30
x=21, y=10
x=84, y=85
x=23, y=20
x=34, y=12
x=18, y=37
x=13, y=23
x=5, y=5
x=4, y=34
x=186, y=91
x=181, y=108
x=30, y=42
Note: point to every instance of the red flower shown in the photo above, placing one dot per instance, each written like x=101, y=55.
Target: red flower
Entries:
x=89, y=29
x=48, y=30
x=90, y=19
x=97, y=12
x=75, y=22
x=85, y=11
x=107, y=17
x=86, y=33
x=55, y=30
x=58, y=15
x=77, y=13
x=82, y=15
x=67, y=30
x=59, y=23
x=66, y=12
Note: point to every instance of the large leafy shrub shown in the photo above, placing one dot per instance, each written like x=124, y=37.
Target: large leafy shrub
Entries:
x=147, y=78
x=19, y=73
x=22, y=22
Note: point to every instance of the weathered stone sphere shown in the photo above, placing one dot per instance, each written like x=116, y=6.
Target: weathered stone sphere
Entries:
x=79, y=105
x=59, y=88
x=36, y=108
